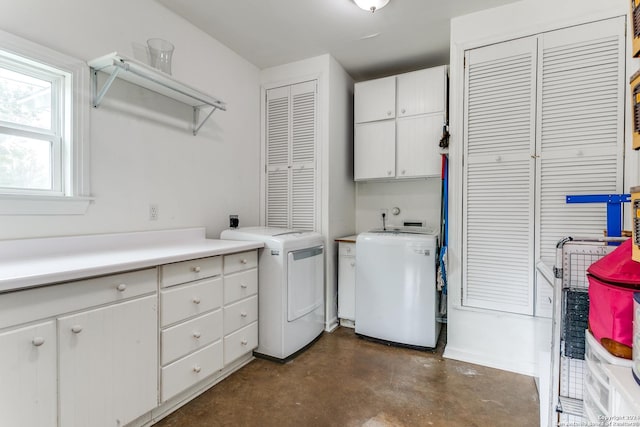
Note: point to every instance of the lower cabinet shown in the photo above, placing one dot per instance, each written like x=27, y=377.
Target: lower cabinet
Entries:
x=347, y=283
x=28, y=376
x=108, y=363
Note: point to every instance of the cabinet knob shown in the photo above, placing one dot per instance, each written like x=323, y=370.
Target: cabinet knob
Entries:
x=403, y=171
x=353, y=263
x=243, y=314
x=389, y=173
x=197, y=369
x=403, y=111
x=388, y=113
x=348, y=249
x=76, y=329
x=196, y=335
x=243, y=261
x=244, y=342
x=37, y=341
x=196, y=300
x=121, y=287
x=243, y=285
x=196, y=269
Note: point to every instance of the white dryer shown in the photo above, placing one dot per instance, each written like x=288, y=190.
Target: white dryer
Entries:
x=290, y=288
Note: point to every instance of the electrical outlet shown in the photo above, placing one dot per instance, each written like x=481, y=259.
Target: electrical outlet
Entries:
x=153, y=212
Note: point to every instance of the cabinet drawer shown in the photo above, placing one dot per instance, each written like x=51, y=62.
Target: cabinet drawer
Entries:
x=347, y=249
x=240, y=261
x=32, y=304
x=188, y=271
x=240, y=342
x=240, y=314
x=186, y=372
x=183, y=302
x=191, y=335
x=240, y=285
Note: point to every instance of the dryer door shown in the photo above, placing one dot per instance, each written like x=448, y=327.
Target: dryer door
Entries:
x=305, y=281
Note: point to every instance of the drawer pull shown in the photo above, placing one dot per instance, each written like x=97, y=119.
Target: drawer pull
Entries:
x=243, y=285
x=243, y=314
x=244, y=342
x=353, y=263
x=196, y=335
x=348, y=249
x=197, y=369
x=243, y=261
x=76, y=329
x=37, y=341
x=196, y=269
x=196, y=300
x=121, y=287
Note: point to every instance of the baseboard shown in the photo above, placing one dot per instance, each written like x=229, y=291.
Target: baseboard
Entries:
x=518, y=367
x=331, y=325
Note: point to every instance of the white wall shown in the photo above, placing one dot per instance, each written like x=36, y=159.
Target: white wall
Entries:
x=335, y=214
x=418, y=200
x=142, y=150
x=486, y=337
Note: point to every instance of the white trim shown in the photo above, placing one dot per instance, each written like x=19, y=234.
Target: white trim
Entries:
x=78, y=186
x=507, y=364
x=43, y=205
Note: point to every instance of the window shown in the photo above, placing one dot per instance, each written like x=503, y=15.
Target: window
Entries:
x=43, y=158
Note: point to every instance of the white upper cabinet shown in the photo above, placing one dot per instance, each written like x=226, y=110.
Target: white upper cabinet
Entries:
x=422, y=92
x=375, y=100
x=397, y=133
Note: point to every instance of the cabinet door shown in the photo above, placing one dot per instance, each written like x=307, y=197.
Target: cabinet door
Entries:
x=422, y=92
x=108, y=361
x=417, y=146
x=375, y=150
x=28, y=376
x=375, y=100
x=347, y=287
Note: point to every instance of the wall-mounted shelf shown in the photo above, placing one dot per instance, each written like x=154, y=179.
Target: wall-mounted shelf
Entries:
x=118, y=66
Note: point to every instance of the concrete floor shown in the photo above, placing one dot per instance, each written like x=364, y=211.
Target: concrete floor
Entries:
x=346, y=381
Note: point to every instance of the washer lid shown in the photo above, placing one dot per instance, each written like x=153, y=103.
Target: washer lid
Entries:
x=405, y=230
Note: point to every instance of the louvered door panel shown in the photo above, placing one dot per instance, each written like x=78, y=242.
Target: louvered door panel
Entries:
x=498, y=180
x=278, y=198
x=303, y=199
x=580, y=129
x=290, y=156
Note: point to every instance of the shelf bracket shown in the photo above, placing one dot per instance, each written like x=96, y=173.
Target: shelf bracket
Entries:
x=97, y=96
x=196, y=116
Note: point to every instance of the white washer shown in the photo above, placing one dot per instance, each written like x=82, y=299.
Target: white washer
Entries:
x=396, y=296
x=290, y=288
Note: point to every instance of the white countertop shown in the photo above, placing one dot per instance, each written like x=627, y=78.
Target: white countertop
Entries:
x=35, y=262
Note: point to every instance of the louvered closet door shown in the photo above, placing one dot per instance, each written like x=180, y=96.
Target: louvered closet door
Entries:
x=278, y=137
x=291, y=144
x=580, y=129
x=498, y=176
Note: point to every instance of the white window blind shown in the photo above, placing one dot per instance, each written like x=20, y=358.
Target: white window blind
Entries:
x=291, y=147
x=498, y=196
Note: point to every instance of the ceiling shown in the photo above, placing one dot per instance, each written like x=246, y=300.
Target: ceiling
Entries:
x=405, y=35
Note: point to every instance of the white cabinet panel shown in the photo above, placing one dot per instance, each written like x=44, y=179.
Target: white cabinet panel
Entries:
x=422, y=91
x=375, y=100
x=418, y=138
x=240, y=342
x=182, y=339
x=241, y=261
x=240, y=314
x=108, y=361
x=181, y=302
x=189, y=370
x=240, y=285
x=28, y=376
x=347, y=281
x=188, y=271
x=375, y=150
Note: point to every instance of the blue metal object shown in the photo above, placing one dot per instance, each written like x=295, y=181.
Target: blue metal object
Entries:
x=614, y=209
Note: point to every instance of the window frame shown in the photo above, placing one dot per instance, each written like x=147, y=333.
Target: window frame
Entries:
x=71, y=195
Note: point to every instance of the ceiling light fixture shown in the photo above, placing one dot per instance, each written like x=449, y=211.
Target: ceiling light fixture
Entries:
x=371, y=5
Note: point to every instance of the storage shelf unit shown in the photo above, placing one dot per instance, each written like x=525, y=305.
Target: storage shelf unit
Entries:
x=118, y=66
